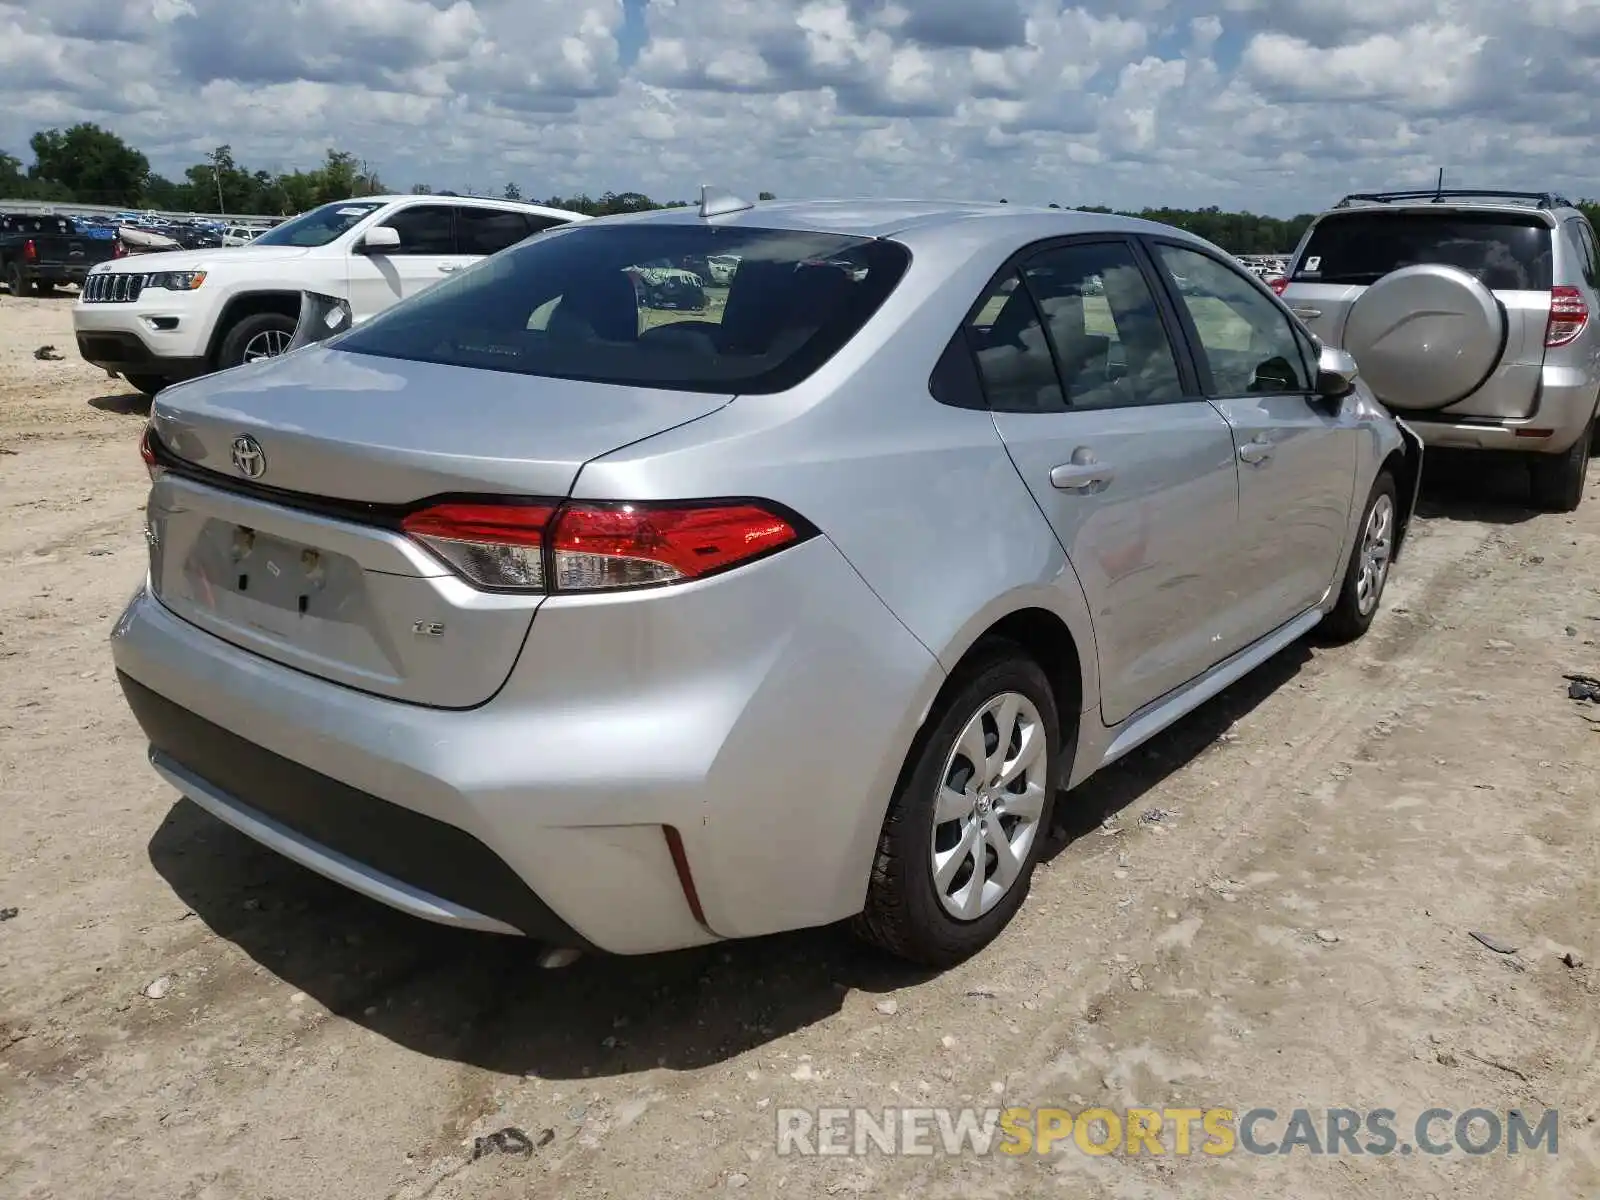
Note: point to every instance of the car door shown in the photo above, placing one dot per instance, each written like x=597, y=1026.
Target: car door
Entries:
x=426, y=254
x=1297, y=450
x=1133, y=469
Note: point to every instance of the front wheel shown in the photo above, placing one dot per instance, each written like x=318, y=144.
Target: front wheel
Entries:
x=1557, y=480
x=258, y=336
x=969, y=818
x=1368, y=572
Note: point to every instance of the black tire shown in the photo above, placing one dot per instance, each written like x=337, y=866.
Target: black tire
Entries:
x=238, y=338
x=903, y=913
x=1348, y=620
x=20, y=285
x=148, y=384
x=1556, y=481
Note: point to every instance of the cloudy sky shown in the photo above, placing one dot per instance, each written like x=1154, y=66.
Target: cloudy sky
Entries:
x=1273, y=105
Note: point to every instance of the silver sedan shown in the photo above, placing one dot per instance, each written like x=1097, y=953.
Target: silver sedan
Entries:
x=524, y=607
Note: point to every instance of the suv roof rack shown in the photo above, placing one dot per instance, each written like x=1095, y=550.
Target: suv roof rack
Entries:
x=1440, y=195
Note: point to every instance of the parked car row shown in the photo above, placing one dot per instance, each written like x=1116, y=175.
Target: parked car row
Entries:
x=523, y=611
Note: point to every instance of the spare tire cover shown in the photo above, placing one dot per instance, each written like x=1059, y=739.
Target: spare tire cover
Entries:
x=1426, y=336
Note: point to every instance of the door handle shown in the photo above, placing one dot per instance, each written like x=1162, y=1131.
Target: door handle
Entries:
x=1080, y=476
x=447, y=269
x=1257, y=450
x=1306, y=314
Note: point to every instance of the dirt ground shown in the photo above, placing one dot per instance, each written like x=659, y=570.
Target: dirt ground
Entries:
x=1275, y=912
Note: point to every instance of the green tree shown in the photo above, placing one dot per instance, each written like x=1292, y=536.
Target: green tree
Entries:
x=767, y=196
x=513, y=192
x=94, y=165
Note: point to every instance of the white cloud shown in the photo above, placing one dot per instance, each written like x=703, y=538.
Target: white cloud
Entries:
x=1274, y=105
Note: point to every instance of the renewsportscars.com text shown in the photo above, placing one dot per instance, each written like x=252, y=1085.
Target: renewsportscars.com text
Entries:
x=858, y=1132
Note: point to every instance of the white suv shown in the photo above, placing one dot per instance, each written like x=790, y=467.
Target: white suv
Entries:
x=156, y=319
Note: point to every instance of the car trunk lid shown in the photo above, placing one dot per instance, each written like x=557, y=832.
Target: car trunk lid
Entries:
x=274, y=518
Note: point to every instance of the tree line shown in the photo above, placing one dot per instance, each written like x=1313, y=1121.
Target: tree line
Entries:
x=90, y=165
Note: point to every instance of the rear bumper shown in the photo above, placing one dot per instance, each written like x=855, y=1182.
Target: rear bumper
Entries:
x=409, y=861
x=762, y=715
x=1562, y=413
x=54, y=273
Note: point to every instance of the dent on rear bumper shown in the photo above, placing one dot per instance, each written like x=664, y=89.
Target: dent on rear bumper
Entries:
x=764, y=714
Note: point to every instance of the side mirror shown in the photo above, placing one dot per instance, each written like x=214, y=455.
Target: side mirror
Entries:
x=1336, y=373
x=379, y=238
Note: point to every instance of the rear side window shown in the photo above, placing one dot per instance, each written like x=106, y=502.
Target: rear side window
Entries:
x=624, y=304
x=1503, y=251
x=1588, y=252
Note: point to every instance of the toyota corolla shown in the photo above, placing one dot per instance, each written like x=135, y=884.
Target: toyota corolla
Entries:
x=525, y=608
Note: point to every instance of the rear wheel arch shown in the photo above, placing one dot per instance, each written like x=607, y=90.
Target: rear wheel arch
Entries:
x=1041, y=636
x=249, y=304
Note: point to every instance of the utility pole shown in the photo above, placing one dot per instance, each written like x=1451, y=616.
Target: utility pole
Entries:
x=216, y=170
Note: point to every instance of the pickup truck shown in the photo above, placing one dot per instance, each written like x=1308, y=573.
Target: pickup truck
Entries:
x=39, y=252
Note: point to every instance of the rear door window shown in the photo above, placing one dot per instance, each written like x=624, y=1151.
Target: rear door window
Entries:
x=1503, y=251
x=614, y=305
x=1104, y=326
x=489, y=230
x=1006, y=336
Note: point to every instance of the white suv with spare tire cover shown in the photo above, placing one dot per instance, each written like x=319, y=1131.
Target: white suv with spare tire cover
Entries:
x=156, y=319
x=1471, y=314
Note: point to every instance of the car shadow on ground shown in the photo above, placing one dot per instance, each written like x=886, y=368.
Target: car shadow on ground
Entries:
x=124, y=404
x=1460, y=485
x=483, y=1000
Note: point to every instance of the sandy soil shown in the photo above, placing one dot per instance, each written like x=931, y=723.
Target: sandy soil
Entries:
x=1291, y=929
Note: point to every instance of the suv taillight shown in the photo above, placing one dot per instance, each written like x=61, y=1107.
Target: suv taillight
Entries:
x=1568, y=315
x=30, y=251
x=118, y=250
x=1277, y=285
x=578, y=547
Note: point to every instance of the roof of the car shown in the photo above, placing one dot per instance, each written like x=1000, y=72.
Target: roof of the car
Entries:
x=887, y=218
x=484, y=201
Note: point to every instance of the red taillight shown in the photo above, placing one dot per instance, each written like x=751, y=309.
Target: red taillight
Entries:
x=118, y=250
x=1568, y=315
x=30, y=251
x=491, y=545
x=148, y=452
x=1278, y=285
x=596, y=547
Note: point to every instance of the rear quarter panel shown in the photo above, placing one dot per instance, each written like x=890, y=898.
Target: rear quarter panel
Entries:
x=921, y=500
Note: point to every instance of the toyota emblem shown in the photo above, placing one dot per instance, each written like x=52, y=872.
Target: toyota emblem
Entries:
x=248, y=458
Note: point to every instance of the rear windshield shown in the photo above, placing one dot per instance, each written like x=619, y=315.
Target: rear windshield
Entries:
x=642, y=305
x=1505, y=252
